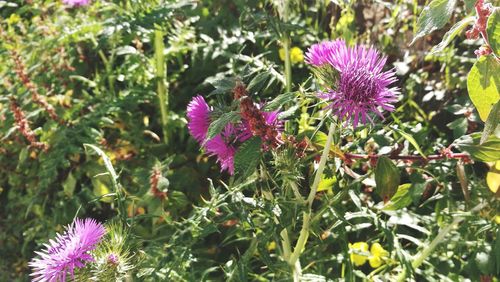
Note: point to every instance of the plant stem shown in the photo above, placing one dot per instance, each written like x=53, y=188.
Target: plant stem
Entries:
x=161, y=76
x=438, y=239
x=304, y=232
x=288, y=63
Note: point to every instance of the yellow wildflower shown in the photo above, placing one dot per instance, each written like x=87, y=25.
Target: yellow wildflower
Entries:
x=357, y=249
x=13, y=19
x=378, y=254
x=296, y=55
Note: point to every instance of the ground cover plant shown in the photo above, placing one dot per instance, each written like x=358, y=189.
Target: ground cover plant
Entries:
x=260, y=140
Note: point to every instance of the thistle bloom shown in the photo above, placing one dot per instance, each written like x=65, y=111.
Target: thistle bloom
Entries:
x=68, y=251
x=76, y=3
x=361, y=87
x=224, y=145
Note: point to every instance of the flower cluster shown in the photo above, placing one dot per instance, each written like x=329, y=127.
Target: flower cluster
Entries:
x=68, y=251
x=355, y=81
x=224, y=145
x=360, y=254
x=76, y=3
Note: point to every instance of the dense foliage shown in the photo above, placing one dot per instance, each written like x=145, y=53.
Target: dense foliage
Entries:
x=96, y=121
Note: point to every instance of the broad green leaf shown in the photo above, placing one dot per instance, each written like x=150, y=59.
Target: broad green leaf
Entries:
x=386, y=178
x=401, y=199
x=483, y=85
x=407, y=193
x=493, y=31
x=279, y=101
x=247, y=157
x=452, y=33
x=434, y=16
x=491, y=122
x=218, y=125
x=488, y=151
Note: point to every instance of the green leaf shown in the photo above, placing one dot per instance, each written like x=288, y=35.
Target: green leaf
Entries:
x=386, y=178
x=411, y=140
x=222, y=85
x=401, y=199
x=488, y=151
x=482, y=84
x=218, y=125
x=258, y=81
x=493, y=31
x=491, y=122
x=279, y=101
x=107, y=161
x=247, y=157
x=407, y=193
x=69, y=185
x=434, y=16
x=452, y=33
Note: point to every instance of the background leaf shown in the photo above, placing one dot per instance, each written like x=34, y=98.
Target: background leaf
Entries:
x=386, y=177
x=493, y=31
x=483, y=85
x=434, y=16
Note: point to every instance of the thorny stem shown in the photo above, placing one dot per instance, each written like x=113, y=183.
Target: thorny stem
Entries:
x=162, y=90
x=438, y=239
x=304, y=232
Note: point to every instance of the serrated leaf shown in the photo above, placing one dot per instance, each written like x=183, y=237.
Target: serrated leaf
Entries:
x=491, y=122
x=247, y=157
x=218, y=125
x=258, y=82
x=289, y=112
x=279, y=101
x=483, y=85
x=386, y=178
x=493, y=31
x=488, y=151
x=452, y=33
x=107, y=162
x=434, y=16
x=221, y=85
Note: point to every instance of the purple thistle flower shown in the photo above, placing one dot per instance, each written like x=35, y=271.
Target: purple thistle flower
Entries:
x=362, y=85
x=224, y=145
x=198, y=113
x=68, y=251
x=318, y=54
x=76, y=3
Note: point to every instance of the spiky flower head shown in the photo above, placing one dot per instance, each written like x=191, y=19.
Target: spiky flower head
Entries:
x=68, y=251
x=113, y=259
x=355, y=81
x=225, y=144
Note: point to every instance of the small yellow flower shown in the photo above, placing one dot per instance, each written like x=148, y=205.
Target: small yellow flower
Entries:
x=378, y=255
x=296, y=55
x=13, y=19
x=271, y=246
x=357, y=249
x=497, y=219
